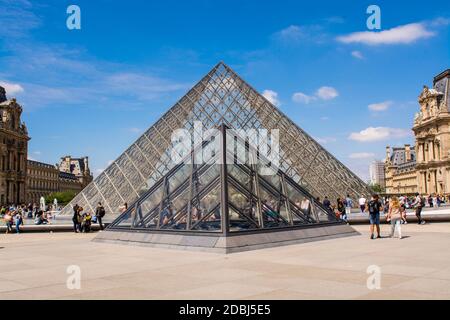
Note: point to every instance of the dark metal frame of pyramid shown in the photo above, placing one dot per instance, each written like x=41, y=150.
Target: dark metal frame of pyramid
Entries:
x=221, y=97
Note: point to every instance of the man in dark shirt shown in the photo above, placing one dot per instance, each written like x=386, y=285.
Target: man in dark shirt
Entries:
x=374, y=207
x=327, y=204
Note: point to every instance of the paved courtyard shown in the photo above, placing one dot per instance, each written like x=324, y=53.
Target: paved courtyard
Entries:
x=34, y=266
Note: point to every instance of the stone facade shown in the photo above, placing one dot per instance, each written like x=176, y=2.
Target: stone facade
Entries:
x=432, y=132
x=13, y=151
x=400, y=170
x=79, y=167
x=44, y=179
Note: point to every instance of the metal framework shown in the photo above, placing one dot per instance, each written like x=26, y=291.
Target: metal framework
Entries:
x=221, y=97
x=225, y=197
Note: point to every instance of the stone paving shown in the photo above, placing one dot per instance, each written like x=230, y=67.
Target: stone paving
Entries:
x=34, y=266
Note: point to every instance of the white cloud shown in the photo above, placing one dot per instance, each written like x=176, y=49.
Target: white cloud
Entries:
x=38, y=153
x=295, y=34
x=323, y=93
x=361, y=155
x=327, y=93
x=404, y=34
x=382, y=106
x=300, y=97
x=272, y=96
x=379, y=134
x=11, y=88
x=324, y=118
x=110, y=162
x=291, y=33
x=357, y=54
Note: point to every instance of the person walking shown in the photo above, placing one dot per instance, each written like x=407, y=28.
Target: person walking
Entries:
x=99, y=214
x=341, y=208
x=362, y=204
x=395, y=216
x=430, y=201
x=348, y=205
x=76, y=218
x=419, y=203
x=18, y=220
x=373, y=207
x=7, y=217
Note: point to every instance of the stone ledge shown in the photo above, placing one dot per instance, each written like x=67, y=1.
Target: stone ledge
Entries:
x=231, y=244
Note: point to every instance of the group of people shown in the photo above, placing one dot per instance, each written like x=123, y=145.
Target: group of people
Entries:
x=83, y=219
x=14, y=215
x=395, y=211
x=342, y=208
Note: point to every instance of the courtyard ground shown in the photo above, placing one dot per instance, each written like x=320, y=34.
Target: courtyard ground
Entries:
x=34, y=266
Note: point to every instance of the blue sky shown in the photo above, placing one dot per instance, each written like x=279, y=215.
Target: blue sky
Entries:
x=94, y=91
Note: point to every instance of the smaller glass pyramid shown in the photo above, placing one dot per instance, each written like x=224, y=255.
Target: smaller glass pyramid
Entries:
x=223, y=195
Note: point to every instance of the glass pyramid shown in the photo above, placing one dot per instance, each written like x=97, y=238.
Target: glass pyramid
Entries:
x=212, y=197
x=145, y=176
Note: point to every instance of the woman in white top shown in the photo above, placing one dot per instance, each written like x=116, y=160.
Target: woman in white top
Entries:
x=395, y=217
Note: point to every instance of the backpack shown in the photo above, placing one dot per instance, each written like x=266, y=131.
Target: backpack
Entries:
x=422, y=202
x=373, y=207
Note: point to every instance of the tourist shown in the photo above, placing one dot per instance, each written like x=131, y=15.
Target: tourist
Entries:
x=438, y=200
x=327, y=204
x=373, y=207
x=123, y=207
x=86, y=222
x=419, y=203
x=348, y=205
x=403, y=214
x=430, y=201
x=18, y=220
x=99, y=214
x=395, y=217
x=362, y=204
x=76, y=218
x=340, y=207
x=7, y=217
x=305, y=207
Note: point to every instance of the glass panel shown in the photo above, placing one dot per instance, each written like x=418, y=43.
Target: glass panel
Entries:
x=206, y=215
x=241, y=176
x=152, y=200
x=273, y=207
x=246, y=207
x=300, y=201
x=323, y=216
x=179, y=177
x=209, y=173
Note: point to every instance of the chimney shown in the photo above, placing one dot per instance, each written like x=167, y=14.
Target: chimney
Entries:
x=388, y=154
x=407, y=152
x=86, y=165
x=2, y=94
